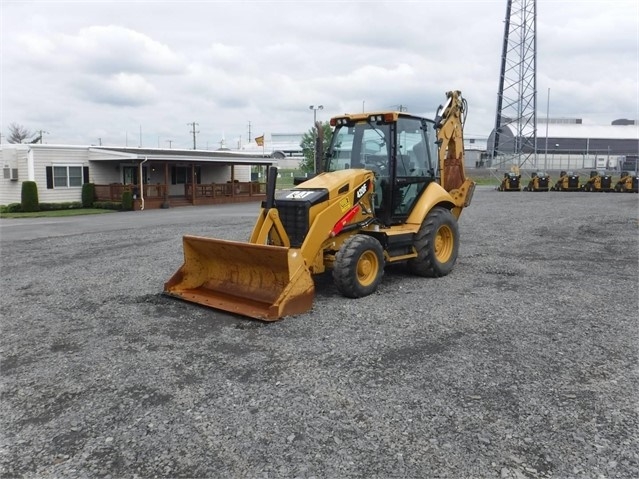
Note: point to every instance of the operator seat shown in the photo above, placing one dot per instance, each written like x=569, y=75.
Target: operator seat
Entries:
x=417, y=158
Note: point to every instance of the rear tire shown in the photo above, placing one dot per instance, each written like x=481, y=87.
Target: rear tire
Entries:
x=437, y=244
x=359, y=266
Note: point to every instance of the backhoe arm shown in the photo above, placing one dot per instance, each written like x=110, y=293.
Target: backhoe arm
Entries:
x=449, y=123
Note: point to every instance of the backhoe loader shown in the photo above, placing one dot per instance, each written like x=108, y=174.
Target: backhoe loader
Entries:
x=392, y=189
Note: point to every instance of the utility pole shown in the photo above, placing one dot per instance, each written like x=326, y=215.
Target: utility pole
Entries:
x=249, y=131
x=170, y=142
x=193, y=132
x=38, y=138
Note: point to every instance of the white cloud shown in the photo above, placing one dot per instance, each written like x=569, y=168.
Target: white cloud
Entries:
x=101, y=50
x=118, y=65
x=124, y=89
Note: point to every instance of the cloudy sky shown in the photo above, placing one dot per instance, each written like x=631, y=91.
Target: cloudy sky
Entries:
x=121, y=71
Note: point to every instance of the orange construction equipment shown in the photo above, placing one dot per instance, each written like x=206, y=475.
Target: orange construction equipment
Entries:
x=628, y=183
x=598, y=182
x=392, y=190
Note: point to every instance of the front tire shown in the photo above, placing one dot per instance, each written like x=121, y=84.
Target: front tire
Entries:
x=359, y=266
x=437, y=244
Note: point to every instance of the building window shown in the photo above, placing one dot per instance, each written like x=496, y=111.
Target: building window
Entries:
x=181, y=175
x=179, y=178
x=66, y=176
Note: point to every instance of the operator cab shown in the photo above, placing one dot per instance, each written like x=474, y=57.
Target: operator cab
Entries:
x=399, y=149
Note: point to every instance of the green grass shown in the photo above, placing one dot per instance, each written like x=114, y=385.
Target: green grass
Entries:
x=486, y=181
x=57, y=213
x=285, y=179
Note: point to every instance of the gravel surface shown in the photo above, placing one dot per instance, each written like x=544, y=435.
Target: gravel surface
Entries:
x=522, y=363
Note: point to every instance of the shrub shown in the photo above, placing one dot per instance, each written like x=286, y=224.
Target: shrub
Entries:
x=12, y=208
x=69, y=205
x=107, y=205
x=127, y=200
x=88, y=195
x=30, y=196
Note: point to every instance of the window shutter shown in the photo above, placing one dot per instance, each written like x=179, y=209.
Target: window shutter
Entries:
x=49, y=177
x=85, y=174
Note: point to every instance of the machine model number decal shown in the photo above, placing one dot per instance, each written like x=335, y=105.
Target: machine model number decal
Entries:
x=361, y=191
x=298, y=195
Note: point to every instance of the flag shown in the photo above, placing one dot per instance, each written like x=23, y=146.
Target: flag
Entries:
x=259, y=140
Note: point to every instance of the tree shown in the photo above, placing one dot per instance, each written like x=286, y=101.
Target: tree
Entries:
x=18, y=133
x=308, y=149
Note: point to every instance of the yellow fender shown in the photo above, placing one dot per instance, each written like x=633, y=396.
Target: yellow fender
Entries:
x=435, y=195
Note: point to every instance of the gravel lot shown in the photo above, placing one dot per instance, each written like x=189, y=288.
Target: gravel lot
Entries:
x=520, y=364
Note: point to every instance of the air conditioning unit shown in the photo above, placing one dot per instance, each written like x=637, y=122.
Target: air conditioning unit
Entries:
x=10, y=173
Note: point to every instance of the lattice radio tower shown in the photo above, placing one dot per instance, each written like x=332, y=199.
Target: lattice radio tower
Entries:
x=515, y=134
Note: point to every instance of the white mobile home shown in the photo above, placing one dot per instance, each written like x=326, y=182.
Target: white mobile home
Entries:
x=156, y=177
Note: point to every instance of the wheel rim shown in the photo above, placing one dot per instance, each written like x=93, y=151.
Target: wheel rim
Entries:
x=444, y=244
x=367, y=268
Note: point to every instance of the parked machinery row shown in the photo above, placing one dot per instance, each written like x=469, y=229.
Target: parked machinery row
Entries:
x=627, y=183
x=569, y=181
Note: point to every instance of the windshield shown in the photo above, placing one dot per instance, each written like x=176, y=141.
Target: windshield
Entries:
x=363, y=145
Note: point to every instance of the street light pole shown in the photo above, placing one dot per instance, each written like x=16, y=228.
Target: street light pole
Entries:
x=547, y=121
x=315, y=108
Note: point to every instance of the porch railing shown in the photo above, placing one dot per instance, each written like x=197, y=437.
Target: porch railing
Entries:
x=113, y=192
x=213, y=190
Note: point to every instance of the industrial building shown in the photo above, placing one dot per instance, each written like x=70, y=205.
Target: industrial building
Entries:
x=568, y=144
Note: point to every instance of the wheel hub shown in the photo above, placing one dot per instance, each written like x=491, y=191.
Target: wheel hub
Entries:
x=367, y=268
x=443, y=244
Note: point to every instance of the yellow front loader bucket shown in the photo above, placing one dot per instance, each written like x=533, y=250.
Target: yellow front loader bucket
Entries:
x=260, y=281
